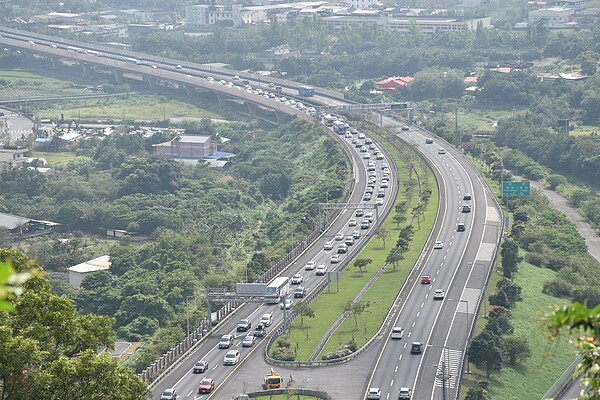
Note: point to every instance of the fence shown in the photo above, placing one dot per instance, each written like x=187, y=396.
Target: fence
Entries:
x=562, y=382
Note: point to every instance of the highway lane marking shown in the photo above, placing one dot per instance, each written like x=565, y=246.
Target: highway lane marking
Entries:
x=215, y=367
x=409, y=334
x=418, y=314
x=422, y=304
x=414, y=323
x=391, y=384
x=438, y=271
x=387, y=396
x=188, y=395
x=396, y=369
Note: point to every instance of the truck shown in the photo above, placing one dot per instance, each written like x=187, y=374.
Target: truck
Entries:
x=273, y=380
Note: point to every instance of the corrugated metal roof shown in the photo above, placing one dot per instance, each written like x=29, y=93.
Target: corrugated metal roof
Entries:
x=11, y=222
x=97, y=264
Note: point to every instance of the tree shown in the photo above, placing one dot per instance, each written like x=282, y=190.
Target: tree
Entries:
x=516, y=349
x=383, y=234
x=355, y=309
x=304, y=310
x=394, y=258
x=361, y=264
x=486, y=352
x=476, y=393
x=510, y=258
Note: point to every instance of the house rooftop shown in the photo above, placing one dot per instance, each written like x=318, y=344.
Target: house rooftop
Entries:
x=97, y=264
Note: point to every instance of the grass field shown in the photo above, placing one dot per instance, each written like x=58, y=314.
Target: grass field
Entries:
x=290, y=396
x=330, y=304
x=533, y=377
x=56, y=159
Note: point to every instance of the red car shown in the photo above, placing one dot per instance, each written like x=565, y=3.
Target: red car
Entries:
x=206, y=386
x=425, y=279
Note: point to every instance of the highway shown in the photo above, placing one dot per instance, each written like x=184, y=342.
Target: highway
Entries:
x=460, y=267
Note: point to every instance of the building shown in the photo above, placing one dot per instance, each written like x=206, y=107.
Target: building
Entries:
x=271, y=58
x=390, y=85
x=22, y=225
x=79, y=272
x=204, y=15
x=574, y=4
x=358, y=4
x=186, y=146
x=556, y=17
x=427, y=25
x=12, y=154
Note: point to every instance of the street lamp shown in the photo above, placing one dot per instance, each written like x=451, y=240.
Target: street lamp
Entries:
x=187, y=315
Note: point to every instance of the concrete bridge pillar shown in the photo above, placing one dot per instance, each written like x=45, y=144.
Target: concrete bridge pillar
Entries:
x=118, y=75
x=251, y=109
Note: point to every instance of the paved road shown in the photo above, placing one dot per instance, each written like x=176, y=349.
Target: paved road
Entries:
x=15, y=125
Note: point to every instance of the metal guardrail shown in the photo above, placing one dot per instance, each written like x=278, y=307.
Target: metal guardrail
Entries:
x=288, y=391
x=565, y=379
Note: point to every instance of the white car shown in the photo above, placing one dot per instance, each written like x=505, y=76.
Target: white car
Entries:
x=287, y=304
x=334, y=259
x=384, y=184
x=267, y=319
x=312, y=264
x=404, y=393
x=366, y=156
x=321, y=270
x=438, y=244
x=441, y=150
x=352, y=222
x=361, y=135
x=328, y=245
x=397, y=332
x=297, y=279
x=439, y=294
x=339, y=236
x=379, y=201
x=232, y=357
x=374, y=394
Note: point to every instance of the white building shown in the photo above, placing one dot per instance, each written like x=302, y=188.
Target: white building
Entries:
x=12, y=155
x=203, y=15
x=427, y=25
x=78, y=273
x=555, y=17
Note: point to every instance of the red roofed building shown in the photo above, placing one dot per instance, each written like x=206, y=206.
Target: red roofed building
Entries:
x=391, y=84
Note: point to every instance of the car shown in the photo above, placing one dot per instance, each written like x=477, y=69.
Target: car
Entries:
x=355, y=140
x=374, y=394
x=370, y=189
x=358, y=144
x=321, y=270
x=342, y=248
x=384, y=184
x=169, y=394
x=379, y=201
x=259, y=331
x=439, y=294
x=339, y=236
x=267, y=319
x=381, y=193
x=359, y=212
x=178, y=67
x=232, y=357
x=356, y=235
x=206, y=385
x=365, y=225
x=467, y=196
x=379, y=156
x=367, y=197
x=366, y=156
x=438, y=244
x=312, y=264
x=363, y=149
x=361, y=135
x=226, y=341
x=416, y=348
x=30, y=42
x=425, y=279
x=441, y=150
x=368, y=141
x=369, y=216
x=347, y=135
x=244, y=325
x=200, y=366
x=466, y=208
x=248, y=341
x=297, y=279
x=405, y=128
x=334, y=259
x=429, y=141
x=328, y=245
x=397, y=332
x=287, y=303
x=404, y=393
x=299, y=292
x=352, y=222
x=460, y=227
x=349, y=241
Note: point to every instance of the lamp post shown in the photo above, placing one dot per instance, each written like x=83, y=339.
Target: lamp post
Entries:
x=187, y=315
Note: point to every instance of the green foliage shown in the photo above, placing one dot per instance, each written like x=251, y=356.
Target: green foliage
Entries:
x=516, y=349
x=578, y=317
x=486, y=352
x=510, y=258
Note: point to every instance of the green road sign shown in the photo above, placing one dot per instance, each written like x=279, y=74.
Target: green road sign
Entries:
x=398, y=106
x=516, y=189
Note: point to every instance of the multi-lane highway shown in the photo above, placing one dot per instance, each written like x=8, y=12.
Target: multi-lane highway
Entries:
x=460, y=268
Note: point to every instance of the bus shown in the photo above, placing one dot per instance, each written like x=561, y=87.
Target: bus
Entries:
x=329, y=119
x=339, y=127
x=306, y=91
x=277, y=289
